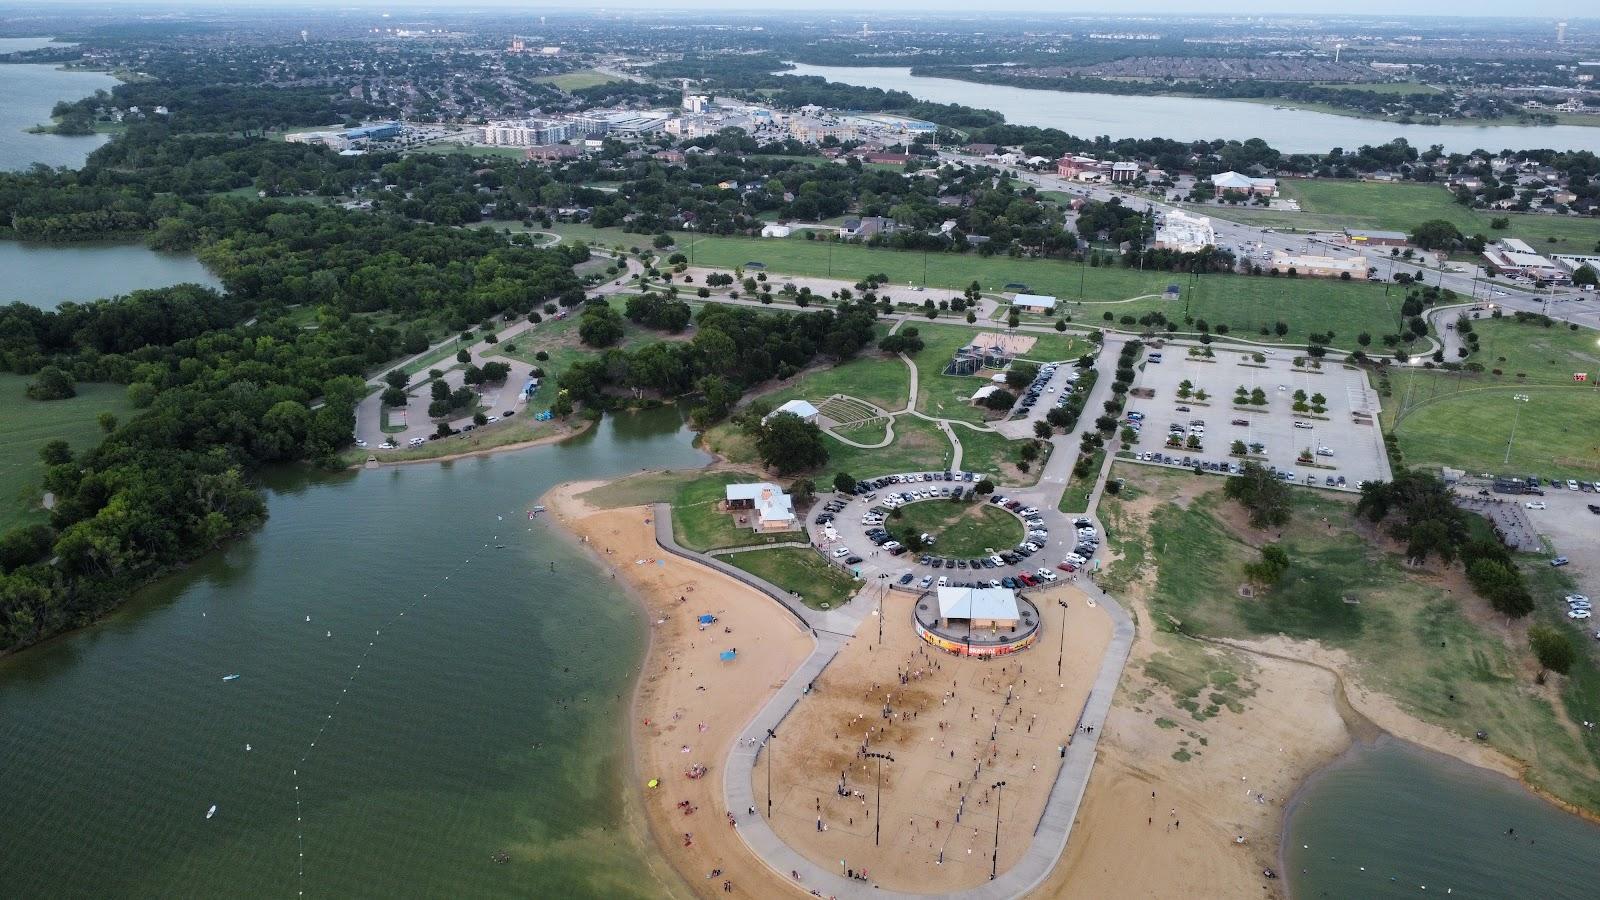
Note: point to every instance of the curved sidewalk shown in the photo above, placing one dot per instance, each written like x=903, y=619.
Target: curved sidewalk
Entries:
x=831, y=630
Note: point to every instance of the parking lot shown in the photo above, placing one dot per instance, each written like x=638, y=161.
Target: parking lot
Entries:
x=1573, y=531
x=1345, y=439
x=849, y=530
x=1054, y=384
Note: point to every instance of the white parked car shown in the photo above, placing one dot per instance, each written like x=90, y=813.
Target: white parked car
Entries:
x=1577, y=598
x=1535, y=504
x=1572, y=485
x=361, y=443
x=1046, y=574
x=1578, y=614
x=944, y=580
x=841, y=552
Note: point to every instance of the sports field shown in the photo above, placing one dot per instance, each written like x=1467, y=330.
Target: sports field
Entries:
x=1331, y=205
x=1474, y=421
x=1244, y=303
x=573, y=81
x=26, y=425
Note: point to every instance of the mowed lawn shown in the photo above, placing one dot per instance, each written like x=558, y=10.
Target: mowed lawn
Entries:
x=27, y=425
x=1555, y=433
x=1331, y=205
x=946, y=396
x=819, y=584
x=699, y=523
x=1467, y=420
x=875, y=377
x=574, y=81
x=918, y=446
x=1067, y=280
x=1425, y=647
x=967, y=528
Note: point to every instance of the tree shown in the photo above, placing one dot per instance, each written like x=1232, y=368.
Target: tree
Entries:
x=1000, y=400
x=1270, y=569
x=394, y=396
x=843, y=482
x=803, y=491
x=1042, y=430
x=51, y=384
x=107, y=422
x=463, y=356
x=1020, y=375
x=1261, y=493
x=1552, y=648
x=1586, y=275
x=600, y=326
x=478, y=418
x=396, y=378
x=1436, y=234
x=984, y=487
x=55, y=453
x=787, y=444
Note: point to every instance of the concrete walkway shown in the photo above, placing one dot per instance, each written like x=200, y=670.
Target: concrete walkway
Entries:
x=830, y=631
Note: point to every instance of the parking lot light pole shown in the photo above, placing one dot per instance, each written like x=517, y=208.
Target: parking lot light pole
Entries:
x=877, y=827
x=994, y=865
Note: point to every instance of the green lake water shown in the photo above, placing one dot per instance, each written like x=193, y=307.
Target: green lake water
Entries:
x=48, y=275
x=487, y=716
x=1392, y=820
x=28, y=91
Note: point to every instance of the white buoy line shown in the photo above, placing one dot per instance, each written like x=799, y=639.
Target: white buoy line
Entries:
x=299, y=815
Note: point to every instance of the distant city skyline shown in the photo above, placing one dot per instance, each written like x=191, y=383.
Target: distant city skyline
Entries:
x=1574, y=11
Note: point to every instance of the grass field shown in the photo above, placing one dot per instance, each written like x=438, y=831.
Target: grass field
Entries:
x=968, y=528
x=946, y=396
x=1467, y=420
x=874, y=377
x=995, y=455
x=1441, y=655
x=1244, y=303
x=1075, y=499
x=699, y=523
x=469, y=150
x=1331, y=205
x=918, y=446
x=26, y=425
x=574, y=81
x=818, y=584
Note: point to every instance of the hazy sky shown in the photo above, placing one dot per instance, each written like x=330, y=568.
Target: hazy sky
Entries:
x=1530, y=9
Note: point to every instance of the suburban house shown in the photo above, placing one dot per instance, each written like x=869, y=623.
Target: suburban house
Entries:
x=1244, y=184
x=866, y=227
x=799, y=408
x=772, y=509
x=1034, y=303
x=1319, y=266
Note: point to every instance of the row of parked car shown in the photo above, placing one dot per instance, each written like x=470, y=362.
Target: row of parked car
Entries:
x=1030, y=395
x=1016, y=582
x=1229, y=467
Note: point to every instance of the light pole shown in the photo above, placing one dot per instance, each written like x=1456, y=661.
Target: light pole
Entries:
x=1517, y=399
x=766, y=746
x=1063, y=651
x=877, y=827
x=994, y=865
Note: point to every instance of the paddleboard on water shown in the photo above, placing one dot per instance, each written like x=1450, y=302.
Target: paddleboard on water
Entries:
x=230, y=677
x=212, y=811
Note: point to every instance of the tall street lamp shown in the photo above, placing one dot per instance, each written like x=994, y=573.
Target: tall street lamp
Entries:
x=1063, y=650
x=994, y=866
x=877, y=827
x=765, y=746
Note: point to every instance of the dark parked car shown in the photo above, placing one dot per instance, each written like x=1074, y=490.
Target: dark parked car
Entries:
x=852, y=560
x=906, y=578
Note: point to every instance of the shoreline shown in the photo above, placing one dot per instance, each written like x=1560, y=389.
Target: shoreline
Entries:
x=482, y=451
x=654, y=704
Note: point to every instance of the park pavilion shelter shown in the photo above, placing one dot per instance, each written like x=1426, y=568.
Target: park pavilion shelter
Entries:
x=798, y=408
x=1034, y=303
x=979, y=607
x=773, y=509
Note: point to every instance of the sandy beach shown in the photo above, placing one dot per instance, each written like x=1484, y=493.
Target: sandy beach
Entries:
x=955, y=727
x=689, y=705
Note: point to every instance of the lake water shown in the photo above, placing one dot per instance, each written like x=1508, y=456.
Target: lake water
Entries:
x=1414, y=818
x=1183, y=118
x=47, y=275
x=28, y=92
x=470, y=700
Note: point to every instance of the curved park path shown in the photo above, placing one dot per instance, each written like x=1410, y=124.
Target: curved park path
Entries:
x=832, y=629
